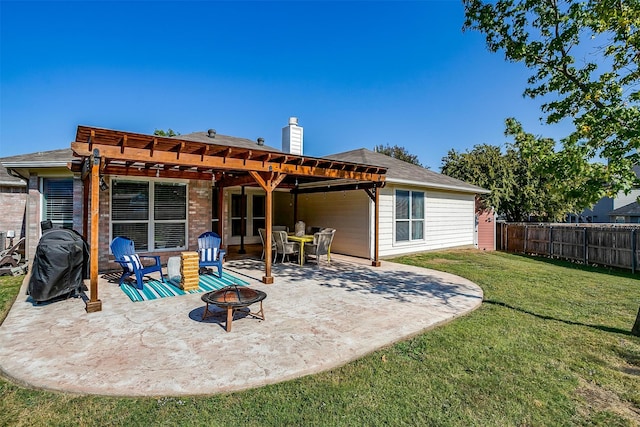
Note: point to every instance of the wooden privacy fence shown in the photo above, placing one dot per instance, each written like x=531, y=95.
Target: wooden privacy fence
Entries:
x=607, y=245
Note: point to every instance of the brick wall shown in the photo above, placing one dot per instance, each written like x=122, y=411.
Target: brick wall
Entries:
x=199, y=221
x=13, y=214
x=199, y=211
x=33, y=216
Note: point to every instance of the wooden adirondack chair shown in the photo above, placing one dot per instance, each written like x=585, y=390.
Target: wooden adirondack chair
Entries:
x=124, y=251
x=209, y=251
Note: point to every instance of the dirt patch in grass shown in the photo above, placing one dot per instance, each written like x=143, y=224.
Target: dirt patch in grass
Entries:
x=598, y=399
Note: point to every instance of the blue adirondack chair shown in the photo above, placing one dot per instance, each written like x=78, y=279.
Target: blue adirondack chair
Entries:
x=124, y=251
x=209, y=251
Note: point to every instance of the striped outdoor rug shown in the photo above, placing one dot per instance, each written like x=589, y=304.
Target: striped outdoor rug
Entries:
x=154, y=289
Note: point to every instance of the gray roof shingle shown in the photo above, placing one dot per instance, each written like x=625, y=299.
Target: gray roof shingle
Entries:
x=42, y=158
x=230, y=141
x=401, y=171
x=632, y=209
x=53, y=156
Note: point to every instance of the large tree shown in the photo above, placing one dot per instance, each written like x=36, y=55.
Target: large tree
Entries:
x=520, y=187
x=584, y=58
x=399, y=153
x=600, y=93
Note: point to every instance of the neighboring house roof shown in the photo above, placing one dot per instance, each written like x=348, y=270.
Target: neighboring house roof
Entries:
x=231, y=141
x=401, y=172
x=632, y=209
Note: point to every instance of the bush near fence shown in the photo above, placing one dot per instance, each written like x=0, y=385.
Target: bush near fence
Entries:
x=613, y=245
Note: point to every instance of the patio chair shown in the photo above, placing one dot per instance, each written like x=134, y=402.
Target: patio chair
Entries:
x=284, y=246
x=209, y=251
x=11, y=256
x=262, y=232
x=124, y=252
x=321, y=245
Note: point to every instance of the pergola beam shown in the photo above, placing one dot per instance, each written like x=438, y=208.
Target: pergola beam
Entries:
x=222, y=163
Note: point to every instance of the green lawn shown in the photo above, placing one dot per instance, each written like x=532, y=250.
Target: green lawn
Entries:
x=550, y=346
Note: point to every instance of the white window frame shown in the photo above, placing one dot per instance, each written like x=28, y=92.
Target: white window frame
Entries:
x=411, y=220
x=43, y=200
x=151, y=221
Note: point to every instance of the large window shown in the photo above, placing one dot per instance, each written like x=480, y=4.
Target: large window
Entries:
x=152, y=214
x=409, y=215
x=58, y=201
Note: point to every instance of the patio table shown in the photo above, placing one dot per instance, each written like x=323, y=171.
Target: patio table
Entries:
x=302, y=240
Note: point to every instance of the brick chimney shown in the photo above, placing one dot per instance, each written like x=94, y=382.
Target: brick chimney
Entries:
x=292, y=136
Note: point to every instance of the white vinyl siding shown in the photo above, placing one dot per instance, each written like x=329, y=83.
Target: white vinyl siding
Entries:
x=346, y=211
x=449, y=221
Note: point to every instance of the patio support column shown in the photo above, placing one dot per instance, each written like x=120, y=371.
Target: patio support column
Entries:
x=94, y=304
x=376, y=203
x=268, y=182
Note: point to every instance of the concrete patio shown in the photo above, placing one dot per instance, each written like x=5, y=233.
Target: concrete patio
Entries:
x=316, y=319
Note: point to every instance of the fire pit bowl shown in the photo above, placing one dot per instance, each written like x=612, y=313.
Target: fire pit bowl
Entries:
x=233, y=298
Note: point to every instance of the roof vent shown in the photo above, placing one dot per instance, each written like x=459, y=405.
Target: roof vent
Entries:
x=211, y=133
x=260, y=141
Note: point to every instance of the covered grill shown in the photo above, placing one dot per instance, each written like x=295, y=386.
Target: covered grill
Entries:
x=60, y=265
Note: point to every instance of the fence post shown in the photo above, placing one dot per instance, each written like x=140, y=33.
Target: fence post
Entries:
x=633, y=251
x=551, y=241
x=506, y=240
x=586, y=247
x=526, y=236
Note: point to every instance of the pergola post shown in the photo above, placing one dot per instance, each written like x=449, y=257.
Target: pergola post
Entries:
x=268, y=278
x=268, y=183
x=94, y=304
x=376, y=245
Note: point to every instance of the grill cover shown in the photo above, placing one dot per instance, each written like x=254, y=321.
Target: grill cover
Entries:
x=60, y=265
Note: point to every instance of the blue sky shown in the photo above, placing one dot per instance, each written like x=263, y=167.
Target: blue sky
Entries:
x=356, y=74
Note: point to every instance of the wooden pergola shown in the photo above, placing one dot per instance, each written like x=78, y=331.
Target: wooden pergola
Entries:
x=110, y=152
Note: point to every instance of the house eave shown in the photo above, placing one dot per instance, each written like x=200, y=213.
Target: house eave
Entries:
x=477, y=190
x=35, y=165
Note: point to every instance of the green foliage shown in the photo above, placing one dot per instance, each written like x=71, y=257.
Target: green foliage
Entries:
x=585, y=59
x=399, y=153
x=527, y=180
x=169, y=132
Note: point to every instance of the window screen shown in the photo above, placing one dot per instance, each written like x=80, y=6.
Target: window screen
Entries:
x=58, y=201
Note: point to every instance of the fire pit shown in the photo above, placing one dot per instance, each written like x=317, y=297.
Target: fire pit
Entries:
x=233, y=298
